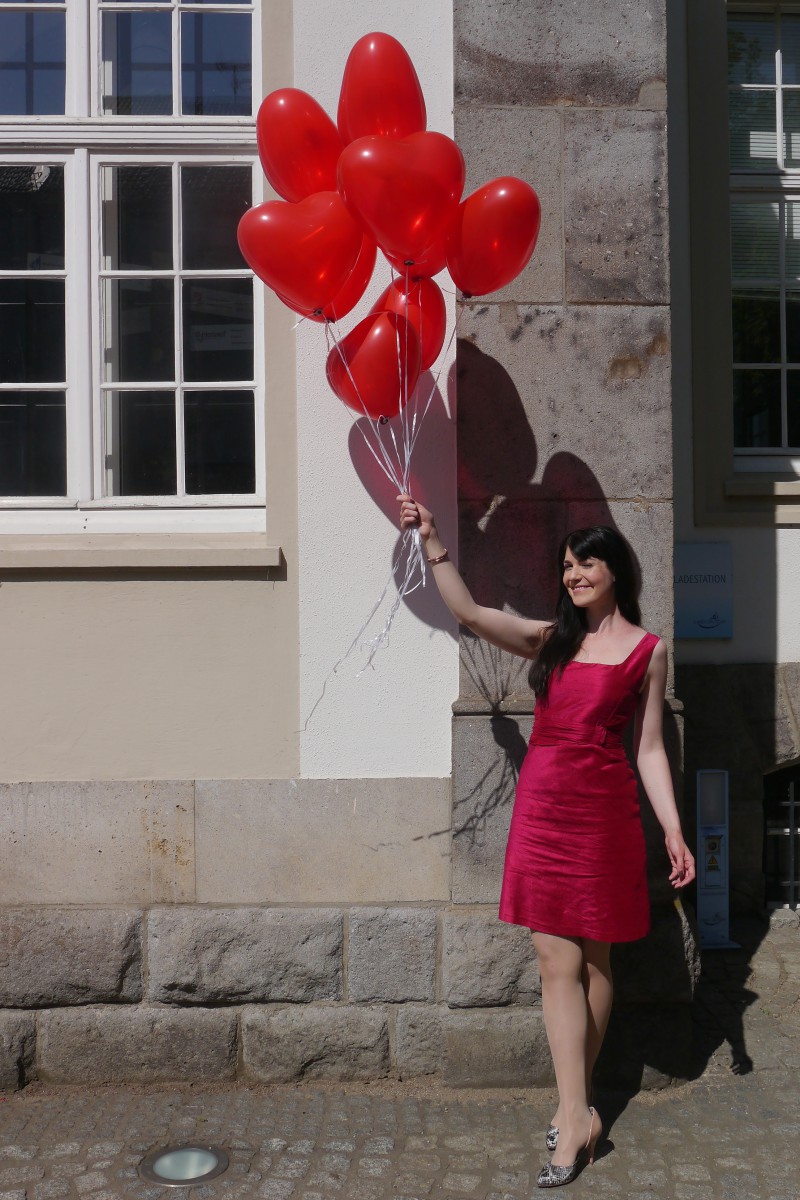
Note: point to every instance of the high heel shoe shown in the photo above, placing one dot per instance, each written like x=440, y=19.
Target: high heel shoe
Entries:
x=553, y=1176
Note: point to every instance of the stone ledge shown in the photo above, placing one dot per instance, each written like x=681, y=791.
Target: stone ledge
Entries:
x=496, y=1049
x=137, y=1045
x=53, y=956
x=200, y=955
x=282, y=1045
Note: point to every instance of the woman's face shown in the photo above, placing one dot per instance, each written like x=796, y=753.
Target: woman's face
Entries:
x=587, y=580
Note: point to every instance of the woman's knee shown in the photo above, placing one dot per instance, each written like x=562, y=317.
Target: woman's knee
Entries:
x=558, y=958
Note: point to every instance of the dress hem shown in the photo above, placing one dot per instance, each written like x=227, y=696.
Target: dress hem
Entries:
x=528, y=922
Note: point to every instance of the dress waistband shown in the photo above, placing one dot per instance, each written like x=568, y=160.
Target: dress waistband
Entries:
x=550, y=733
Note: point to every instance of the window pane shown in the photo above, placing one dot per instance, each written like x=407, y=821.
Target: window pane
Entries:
x=33, y=444
x=791, y=129
x=753, y=136
x=139, y=330
x=32, y=57
x=137, y=218
x=756, y=408
x=216, y=64
x=793, y=327
x=751, y=49
x=214, y=199
x=754, y=241
x=793, y=239
x=137, y=63
x=220, y=443
x=31, y=331
x=218, y=329
x=140, y=444
x=790, y=49
x=757, y=327
x=793, y=407
x=31, y=218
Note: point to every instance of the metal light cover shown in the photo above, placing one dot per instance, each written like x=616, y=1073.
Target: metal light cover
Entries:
x=177, y=1166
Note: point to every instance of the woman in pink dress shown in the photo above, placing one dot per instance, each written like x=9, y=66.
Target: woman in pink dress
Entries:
x=575, y=868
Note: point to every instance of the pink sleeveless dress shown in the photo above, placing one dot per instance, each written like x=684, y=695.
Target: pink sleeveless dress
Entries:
x=575, y=861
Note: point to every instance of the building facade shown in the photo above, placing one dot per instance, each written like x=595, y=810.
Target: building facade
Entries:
x=221, y=856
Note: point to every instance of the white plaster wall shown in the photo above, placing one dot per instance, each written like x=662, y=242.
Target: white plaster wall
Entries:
x=394, y=720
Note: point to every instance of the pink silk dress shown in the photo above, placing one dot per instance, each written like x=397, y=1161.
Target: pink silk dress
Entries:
x=575, y=861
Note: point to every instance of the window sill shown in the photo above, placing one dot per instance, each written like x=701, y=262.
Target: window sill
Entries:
x=136, y=551
x=757, y=483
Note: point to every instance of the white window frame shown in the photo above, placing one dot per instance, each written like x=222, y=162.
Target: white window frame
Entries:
x=82, y=141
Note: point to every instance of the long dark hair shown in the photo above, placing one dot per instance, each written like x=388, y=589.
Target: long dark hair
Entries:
x=564, y=638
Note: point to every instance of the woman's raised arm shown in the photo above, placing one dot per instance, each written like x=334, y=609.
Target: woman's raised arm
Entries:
x=519, y=635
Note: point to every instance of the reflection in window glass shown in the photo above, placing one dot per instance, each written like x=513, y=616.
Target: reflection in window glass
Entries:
x=140, y=444
x=757, y=326
x=217, y=329
x=753, y=135
x=137, y=218
x=32, y=331
x=791, y=129
x=139, y=332
x=755, y=230
x=790, y=49
x=213, y=201
x=216, y=68
x=220, y=443
x=31, y=218
x=751, y=49
x=137, y=64
x=756, y=408
x=33, y=444
x=32, y=58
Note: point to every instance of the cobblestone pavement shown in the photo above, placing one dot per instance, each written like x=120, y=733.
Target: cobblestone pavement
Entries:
x=730, y=1134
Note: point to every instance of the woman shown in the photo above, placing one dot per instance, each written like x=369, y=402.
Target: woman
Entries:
x=575, y=869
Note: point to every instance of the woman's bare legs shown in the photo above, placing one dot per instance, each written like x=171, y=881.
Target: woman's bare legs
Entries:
x=566, y=1019
x=598, y=987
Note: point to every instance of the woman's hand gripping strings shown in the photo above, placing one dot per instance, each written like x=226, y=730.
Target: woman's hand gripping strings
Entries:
x=506, y=630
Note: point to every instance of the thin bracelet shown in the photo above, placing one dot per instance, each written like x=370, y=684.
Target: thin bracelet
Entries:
x=439, y=558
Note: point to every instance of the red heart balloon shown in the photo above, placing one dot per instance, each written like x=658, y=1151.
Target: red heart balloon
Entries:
x=493, y=235
x=304, y=251
x=405, y=192
x=375, y=368
x=355, y=287
x=421, y=303
x=430, y=262
x=380, y=91
x=298, y=143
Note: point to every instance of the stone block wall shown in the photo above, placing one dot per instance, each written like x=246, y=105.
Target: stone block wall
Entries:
x=203, y=993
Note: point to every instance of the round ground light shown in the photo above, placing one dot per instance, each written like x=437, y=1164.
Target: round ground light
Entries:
x=177, y=1166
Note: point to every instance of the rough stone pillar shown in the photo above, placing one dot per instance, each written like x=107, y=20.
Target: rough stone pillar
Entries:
x=564, y=411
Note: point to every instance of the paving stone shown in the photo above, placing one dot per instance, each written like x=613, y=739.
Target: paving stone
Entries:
x=392, y=954
x=201, y=955
x=51, y=956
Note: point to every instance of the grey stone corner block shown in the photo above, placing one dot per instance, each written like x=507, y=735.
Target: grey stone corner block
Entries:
x=137, y=1045
x=281, y=1045
x=486, y=961
x=206, y=955
x=17, y=1050
x=491, y=1048
x=663, y=967
x=53, y=956
x=392, y=954
x=565, y=52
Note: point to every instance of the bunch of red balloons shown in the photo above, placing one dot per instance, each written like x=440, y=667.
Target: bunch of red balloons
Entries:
x=378, y=180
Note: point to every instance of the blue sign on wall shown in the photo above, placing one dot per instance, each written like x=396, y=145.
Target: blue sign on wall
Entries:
x=703, y=590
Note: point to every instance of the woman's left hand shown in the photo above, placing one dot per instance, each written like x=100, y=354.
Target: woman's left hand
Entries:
x=683, y=869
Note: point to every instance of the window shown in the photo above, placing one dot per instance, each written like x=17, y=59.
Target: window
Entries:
x=743, y=158
x=130, y=331
x=764, y=145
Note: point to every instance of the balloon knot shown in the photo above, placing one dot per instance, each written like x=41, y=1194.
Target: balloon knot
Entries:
x=383, y=420
x=408, y=262
x=319, y=313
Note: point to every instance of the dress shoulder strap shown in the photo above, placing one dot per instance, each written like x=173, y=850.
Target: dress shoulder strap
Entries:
x=639, y=659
